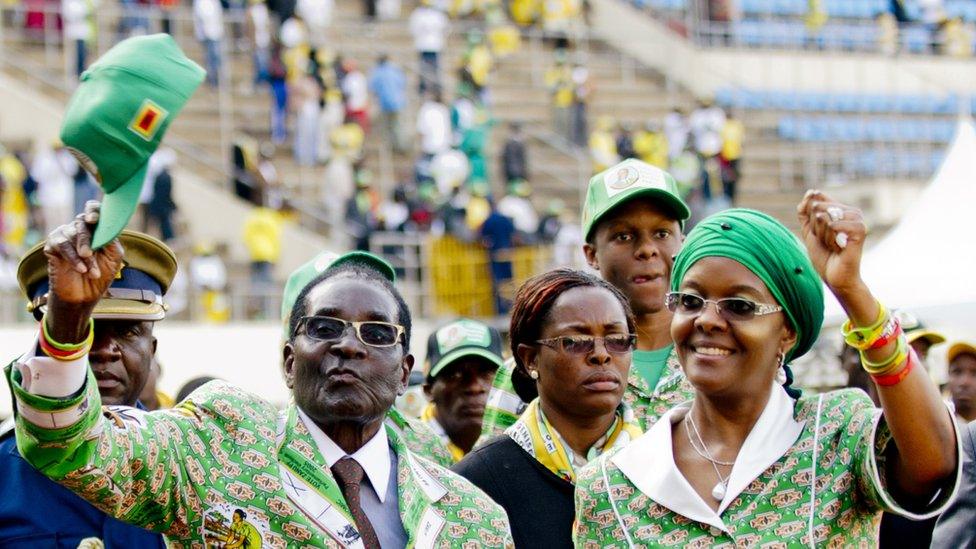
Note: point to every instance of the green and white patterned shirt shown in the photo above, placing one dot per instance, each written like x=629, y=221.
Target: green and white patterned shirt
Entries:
x=184, y=472
x=812, y=466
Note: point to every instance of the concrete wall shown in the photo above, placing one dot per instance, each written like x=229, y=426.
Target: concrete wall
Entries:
x=214, y=215
x=26, y=115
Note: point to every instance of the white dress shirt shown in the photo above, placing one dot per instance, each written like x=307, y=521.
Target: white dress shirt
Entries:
x=773, y=434
x=379, y=462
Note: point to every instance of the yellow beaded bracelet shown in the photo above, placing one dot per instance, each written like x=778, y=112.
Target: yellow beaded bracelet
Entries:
x=863, y=338
x=889, y=364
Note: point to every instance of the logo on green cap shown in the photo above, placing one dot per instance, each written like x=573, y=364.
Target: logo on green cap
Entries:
x=622, y=178
x=625, y=176
x=148, y=120
x=463, y=332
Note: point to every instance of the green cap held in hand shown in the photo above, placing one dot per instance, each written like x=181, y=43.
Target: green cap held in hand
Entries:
x=118, y=116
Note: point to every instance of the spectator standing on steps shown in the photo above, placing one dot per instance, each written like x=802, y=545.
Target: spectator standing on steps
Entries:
x=733, y=132
x=515, y=164
x=389, y=85
x=208, y=25
x=429, y=27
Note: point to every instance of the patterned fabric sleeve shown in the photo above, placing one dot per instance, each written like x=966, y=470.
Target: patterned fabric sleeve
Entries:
x=867, y=437
x=129, y=463
x=596, y=525
x=504, y=406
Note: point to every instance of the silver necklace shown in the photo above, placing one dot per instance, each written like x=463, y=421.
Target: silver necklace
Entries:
x=718, y=491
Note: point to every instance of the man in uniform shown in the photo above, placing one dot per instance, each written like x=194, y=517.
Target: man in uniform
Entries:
x=34, y=511
x=632, y=222
x=328, y=471
x=462, y=358
x=419, y=438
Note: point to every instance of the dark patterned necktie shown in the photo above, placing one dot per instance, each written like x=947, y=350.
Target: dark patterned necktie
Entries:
x=349, y=475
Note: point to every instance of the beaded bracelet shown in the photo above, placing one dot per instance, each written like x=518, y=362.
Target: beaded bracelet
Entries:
x=862, y=338
x=891, y=332
x=887, y=365
x=62, y=351
x=897, y=377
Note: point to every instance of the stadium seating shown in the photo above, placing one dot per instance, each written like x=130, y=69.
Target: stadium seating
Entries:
x=858, y=129
x=838, y=102
x=837, y=9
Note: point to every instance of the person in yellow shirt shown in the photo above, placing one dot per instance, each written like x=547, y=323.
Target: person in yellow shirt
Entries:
x=14, y=209
x=525, y=12
x=732, y=135
x=559, y=81
x=262, y=237
x=651, y=146
x=503, y=37
x=603, y=145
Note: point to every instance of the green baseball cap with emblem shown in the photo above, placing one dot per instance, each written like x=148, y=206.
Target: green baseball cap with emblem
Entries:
x=300, y=277
x=118, y=115
x=459, y=339
x=625, y=181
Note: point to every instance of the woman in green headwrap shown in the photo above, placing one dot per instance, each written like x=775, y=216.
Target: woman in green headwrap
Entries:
x=749, y=461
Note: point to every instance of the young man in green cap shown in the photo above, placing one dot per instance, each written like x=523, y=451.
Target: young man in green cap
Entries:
x=118, y=115
x=462, y=358
x=420, y=438
x=632, y=226
x=328, y=471
x=35, y=511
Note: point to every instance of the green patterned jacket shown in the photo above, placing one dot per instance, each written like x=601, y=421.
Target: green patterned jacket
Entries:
x=184, y=472
x=811, y=474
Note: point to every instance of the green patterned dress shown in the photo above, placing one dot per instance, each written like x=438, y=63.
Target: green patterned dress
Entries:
x=819, y=471
x=184, y=472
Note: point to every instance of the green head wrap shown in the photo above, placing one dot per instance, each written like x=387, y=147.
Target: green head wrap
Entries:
x=768, y=249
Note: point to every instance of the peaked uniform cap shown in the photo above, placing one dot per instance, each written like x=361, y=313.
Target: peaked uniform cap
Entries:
x=626, y=181
x=148, y=269
x=118, y=115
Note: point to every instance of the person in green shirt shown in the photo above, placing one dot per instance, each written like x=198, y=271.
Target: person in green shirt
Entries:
x=750, y=461
x=632, y=226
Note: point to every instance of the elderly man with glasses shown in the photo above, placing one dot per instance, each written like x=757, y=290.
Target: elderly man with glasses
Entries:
x=329, y=471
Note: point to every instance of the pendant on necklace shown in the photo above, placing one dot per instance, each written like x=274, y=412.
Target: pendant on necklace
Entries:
x=718, y=492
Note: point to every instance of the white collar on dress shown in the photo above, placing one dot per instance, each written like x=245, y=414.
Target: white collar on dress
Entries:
x=374, y=456
x=649, y=461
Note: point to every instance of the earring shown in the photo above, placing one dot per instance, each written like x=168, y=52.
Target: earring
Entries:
x=534, y=374
x=781, y=369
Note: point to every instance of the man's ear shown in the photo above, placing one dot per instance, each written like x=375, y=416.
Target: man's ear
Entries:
x=590, y=252
x=405, y=367
x=154, y=346
x=527, y=355
x=288, y=363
